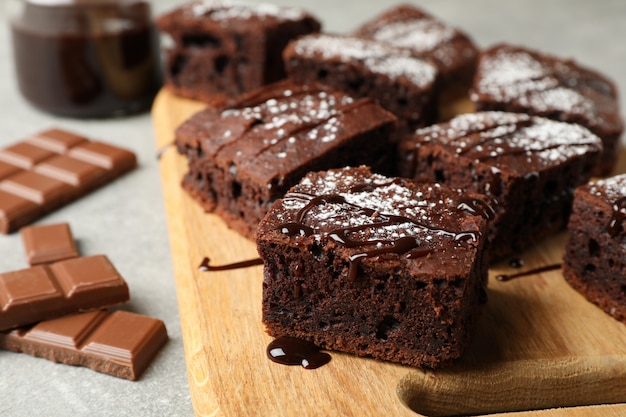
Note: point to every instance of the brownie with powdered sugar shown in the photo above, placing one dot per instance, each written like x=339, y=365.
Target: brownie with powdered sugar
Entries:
x=221, y=48
x=594, y=263
x=375, y=266
x=245, y=155
x=527, y=166
x=427, y=37
x=516, y=79
x=401, y=83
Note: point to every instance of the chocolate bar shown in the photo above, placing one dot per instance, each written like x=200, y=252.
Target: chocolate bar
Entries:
x=52, y=168
x=118, y=343
x=44, y=292
x=48, y=243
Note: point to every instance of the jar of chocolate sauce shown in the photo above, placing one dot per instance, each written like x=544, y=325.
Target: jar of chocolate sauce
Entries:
x=86, y=58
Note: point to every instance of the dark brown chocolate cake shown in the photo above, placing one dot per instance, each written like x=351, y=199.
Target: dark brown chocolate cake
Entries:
x=427, y=37
x=372, y=265
x=516, y=79
x=401, y=83
x=595, y=255
x=244, y=156
x=527, y=165
x=224, y=48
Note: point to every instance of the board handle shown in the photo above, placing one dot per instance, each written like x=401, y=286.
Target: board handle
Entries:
x=515, y=386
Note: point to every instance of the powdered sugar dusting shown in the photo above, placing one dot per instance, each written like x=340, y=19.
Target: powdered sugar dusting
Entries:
x=504, y=139
x=423, y=35
x=281, y=123
x=224, y=10
x=516, y=75
x=611, y=189
x=377, y=57
x=385, y=197
x=559, y=98
x=510, y=74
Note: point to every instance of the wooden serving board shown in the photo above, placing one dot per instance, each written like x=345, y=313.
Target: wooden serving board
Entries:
x=539, y=343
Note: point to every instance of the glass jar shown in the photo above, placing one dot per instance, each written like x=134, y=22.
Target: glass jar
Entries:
x=86, y=58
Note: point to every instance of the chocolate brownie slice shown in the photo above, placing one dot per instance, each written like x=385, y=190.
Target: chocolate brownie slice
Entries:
x=516, y=79
x=528, y=166
x=401, y=83
x=594, y=263
x=373, y=265
x=224, y=48
x=425, y=36
x=245, y=155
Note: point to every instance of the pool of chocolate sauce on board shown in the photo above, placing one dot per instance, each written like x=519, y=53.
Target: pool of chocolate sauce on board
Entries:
x=86, y=58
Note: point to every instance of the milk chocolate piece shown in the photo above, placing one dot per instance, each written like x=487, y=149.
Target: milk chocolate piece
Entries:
x=44, y=292
x=52, y=168
x=117, y=343
x=48, y=243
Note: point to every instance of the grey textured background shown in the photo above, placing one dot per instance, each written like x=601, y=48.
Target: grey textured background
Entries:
x=126, y=220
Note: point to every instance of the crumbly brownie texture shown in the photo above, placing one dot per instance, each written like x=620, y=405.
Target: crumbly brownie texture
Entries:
x=372, y=265
x=595, y=255
x=516, y=79
x=528, y=166
x=245, y=156
x=401, y=83
x=224, y=48
x=424, y=36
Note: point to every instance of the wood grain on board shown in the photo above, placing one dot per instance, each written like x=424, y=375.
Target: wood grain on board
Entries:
x=539, y=343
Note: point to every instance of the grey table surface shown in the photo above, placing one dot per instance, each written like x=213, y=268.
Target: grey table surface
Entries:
x=126, y=220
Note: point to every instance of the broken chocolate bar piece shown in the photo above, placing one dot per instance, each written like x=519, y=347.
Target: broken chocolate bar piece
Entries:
x=44, y=292
x=48, y=243
x=118, y=343
x=52, y=168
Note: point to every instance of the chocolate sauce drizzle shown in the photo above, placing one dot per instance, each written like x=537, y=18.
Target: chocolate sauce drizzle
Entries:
x=293, y=351
x=530, y=272
x=484, y=151
x=411, y=246
x=614, y=227
x=476, y=207
x=206, y=266
x=263, y=96
x=307, y=127
x=164, y=149
x=484, y=140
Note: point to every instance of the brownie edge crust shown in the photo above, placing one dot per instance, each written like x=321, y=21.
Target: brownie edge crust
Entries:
x=375, y=266
x=594, y=263
x=222, y=48
x=245, y=155
x=520, y=80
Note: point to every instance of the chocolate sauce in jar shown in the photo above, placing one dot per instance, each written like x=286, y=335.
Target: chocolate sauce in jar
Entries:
x=86, y=58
